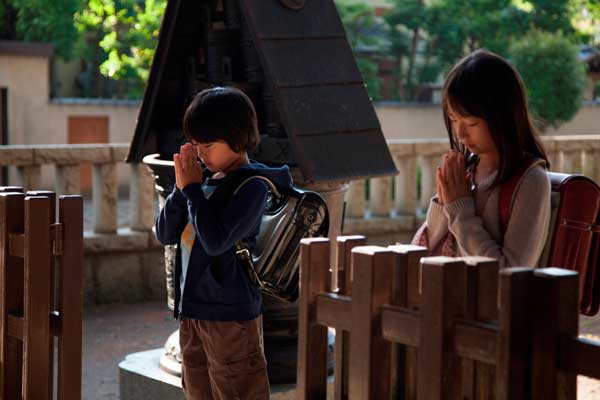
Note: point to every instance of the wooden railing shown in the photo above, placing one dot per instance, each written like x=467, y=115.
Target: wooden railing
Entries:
x=439, y=328
x=104, y=158
x=40, y=295
x=405, y=195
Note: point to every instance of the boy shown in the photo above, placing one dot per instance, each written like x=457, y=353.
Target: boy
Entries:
x=218, y=306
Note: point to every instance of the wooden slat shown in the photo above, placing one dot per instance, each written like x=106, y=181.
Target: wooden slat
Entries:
x=555, y=314
x=514, y=337
x=15, y=327
x=407, y=288
x=11, y=295
x=38, y=256
x=52, y=282
x=57, y=242
x=443, y=299
x=70, y=299
x=334, y=311
x=476, y=341
x=342, y=338
x=344, y=262
x=580, y=356
x=407, y=284
x=312, y=337
x=479, y=377
x=513, y=372
x=400, y=325
x=370, y=358
x=11, y=189
x=16, y=245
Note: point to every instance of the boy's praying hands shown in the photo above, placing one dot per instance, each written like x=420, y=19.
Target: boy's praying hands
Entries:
x=187, y=167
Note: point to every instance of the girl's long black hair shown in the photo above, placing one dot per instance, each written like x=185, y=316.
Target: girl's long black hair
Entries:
x=485, y=85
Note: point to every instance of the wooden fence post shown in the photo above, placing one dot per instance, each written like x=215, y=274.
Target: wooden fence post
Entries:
x=53, y=275
x=405, y=294
x=513, y=365
x=555, y=316
x=312, y=337
x=443, y=299
x=38, y=255
x=370, y=357
x=12, y=216
x=70, y=298
x=342, y=338
x=482, y=305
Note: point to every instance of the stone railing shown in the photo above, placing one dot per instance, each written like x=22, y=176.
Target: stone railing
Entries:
x=396, y=205
x=123, y=261
x=104, y=158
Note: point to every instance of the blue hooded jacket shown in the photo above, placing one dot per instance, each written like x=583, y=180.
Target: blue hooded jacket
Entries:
x=216, y=285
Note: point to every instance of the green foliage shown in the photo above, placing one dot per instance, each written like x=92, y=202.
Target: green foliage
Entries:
x=368, y=69
x=553, y=75
x=40, y=21
x=358, y=20
x=119, y=40
x=586, y=18
x=428, y=37
x=552, y=16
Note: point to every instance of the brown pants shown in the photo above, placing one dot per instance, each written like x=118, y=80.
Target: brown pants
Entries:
x=223, y=360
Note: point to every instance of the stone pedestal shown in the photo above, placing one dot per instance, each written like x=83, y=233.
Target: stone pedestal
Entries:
x=140, y=378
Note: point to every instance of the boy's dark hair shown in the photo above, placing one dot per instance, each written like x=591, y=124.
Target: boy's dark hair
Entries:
x=485, y=85
x=222, y=114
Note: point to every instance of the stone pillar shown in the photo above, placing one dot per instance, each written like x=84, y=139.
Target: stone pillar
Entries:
x=30, y=176
x=428, y=183
x=588, y=162
x=141, y=198
x=68, y=179
x=596, y=164
x=355, y=199
x=406, y=185
x=381, y=197
x=104, y=198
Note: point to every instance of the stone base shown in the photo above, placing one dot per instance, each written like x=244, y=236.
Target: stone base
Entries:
x=140, y=378
x=124, y=267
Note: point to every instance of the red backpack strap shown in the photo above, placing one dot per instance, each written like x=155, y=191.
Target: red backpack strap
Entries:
x=507, y=191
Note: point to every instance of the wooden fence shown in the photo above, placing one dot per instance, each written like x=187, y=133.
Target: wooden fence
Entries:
x=409, y=327
x=40, y=295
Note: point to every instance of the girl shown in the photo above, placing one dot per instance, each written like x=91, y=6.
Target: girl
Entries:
x=492, y=140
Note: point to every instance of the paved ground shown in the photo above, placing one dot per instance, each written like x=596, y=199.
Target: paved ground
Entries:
x=111, y=332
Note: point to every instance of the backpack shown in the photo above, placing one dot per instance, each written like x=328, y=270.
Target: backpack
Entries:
x=290, y=215
x=574, y=234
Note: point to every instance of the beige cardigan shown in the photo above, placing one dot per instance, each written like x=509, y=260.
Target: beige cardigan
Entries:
x=475, y=224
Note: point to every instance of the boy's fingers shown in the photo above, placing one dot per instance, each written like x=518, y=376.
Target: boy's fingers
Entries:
x=178, y=164
x=186, y=160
